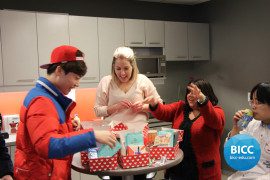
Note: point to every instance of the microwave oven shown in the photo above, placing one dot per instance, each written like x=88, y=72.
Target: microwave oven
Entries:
x=153, y=66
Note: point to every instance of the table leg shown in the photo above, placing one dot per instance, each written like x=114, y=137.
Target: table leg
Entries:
x=130, y=177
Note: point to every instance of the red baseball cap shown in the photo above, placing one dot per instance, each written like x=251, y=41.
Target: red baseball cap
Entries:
x=64, y=54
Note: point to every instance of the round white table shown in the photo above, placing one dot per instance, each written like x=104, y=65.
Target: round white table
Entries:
x=127, y=174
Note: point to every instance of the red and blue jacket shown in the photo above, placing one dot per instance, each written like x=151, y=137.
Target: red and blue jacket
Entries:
x=45, y=138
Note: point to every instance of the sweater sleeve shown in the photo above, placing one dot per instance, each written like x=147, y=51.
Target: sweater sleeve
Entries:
x=102, y=97
x=213, y=115
x=6, y=166
x=44, y=130
x=167, y=112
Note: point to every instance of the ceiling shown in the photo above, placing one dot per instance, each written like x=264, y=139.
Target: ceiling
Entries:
x=187, y=2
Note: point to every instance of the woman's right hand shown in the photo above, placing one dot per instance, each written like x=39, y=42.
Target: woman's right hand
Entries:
x=124, y=104
x=237, y=116
x=151, y=100
x=105, y=137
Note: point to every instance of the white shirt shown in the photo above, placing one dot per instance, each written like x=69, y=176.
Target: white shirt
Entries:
x=108, y=93
x=261, y=171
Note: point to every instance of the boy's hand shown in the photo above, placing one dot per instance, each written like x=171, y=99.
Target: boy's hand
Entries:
x=105, y=137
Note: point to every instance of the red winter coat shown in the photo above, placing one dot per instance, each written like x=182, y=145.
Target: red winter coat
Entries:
x=45, y=138
x=205, y=134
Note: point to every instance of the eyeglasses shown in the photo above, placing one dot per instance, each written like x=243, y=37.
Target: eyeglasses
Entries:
x=254, y=102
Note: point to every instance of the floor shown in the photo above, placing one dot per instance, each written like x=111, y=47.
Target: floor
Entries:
x=160, y=175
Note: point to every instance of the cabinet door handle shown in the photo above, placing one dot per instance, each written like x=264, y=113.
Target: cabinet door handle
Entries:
x=136, y=42
x=181, y=57
x=154, y=42
x=89, y=78
x=196, y=56
x=25, y=80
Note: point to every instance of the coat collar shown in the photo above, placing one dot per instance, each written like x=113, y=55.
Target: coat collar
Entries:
x=45, y=84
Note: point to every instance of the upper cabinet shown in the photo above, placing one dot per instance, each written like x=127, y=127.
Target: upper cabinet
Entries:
x=154, y=33
x=134, y=32
x=52, y=31
x=198, y=41
x=111, y=36
x=19, y=47
x=144, y=33
x=1, y=62
x=176, y=41
x=186, y=41
x=83, y=35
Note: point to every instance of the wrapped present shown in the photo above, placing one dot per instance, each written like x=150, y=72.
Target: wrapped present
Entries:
x=168, y=152
x=151, y=137
x=99, y=164
x=136, y=149
x=134, y=161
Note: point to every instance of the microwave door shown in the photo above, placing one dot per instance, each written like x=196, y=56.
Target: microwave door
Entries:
x=148, y=66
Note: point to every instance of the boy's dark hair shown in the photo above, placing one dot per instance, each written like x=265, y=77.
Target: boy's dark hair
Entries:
x=206, y=89
x=262, y=91
x=77, y=67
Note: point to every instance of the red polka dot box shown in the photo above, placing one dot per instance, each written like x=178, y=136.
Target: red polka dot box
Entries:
x=168, y=152
x=134, y=161
x=99, y=164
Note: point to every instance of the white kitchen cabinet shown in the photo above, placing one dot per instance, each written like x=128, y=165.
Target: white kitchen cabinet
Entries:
x=1, y=62
x=52, y=30
x=186, y=41
x=83, y=35
x=144, y=33
x=154, y=33
x=111, y=36
x=134, y=32
x=198, y=41
x=176, y=41
x=19, y=47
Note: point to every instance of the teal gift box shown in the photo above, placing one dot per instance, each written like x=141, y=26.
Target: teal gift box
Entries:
x=106, y=151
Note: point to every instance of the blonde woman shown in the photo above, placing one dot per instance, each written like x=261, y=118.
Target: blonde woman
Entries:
x=120, y=96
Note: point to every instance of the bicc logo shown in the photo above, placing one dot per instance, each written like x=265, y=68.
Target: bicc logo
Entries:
x=242, y=152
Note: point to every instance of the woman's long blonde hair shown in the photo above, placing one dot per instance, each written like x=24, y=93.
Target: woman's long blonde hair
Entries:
x=125, y=52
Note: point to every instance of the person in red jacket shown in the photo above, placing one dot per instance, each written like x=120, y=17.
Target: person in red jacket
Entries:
x=46, y=140
x=203, y=122
x=6, y=165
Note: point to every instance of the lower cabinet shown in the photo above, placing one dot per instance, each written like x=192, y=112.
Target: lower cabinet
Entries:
x=89, y=177
x=11, y=151
x=81, y=176
x=75, y=175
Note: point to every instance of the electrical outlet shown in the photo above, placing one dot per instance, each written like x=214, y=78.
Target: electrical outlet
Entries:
x=248, y=96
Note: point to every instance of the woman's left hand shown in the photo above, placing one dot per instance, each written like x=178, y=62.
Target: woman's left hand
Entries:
x=137, y=106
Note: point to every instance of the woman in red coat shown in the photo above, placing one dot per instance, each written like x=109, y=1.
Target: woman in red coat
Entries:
x=203, y=122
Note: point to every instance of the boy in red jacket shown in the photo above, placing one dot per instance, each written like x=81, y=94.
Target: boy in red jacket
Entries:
x=46, y=140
